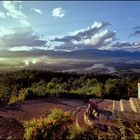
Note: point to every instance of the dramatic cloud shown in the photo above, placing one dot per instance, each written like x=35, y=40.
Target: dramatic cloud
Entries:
x=37, y=11
x=14, y=10
x=94, y=36
x=58, y=12
x=101, y=38
x=2, y=15
x=83, y=33
x=21, y=39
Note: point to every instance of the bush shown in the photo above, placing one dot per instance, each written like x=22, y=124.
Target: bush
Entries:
x=125, y=129
x=16, y=98
x=82, y=134
x=56, y=126
x=76, y=132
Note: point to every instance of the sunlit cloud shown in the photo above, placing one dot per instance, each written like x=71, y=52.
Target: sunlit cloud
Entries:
x=94, y=36
x=14, y=10
x=100, y=38
x=58, y=12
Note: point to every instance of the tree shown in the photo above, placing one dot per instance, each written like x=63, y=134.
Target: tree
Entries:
x=111, y=86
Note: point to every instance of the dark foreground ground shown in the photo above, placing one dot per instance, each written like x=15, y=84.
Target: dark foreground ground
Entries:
x=12, y=117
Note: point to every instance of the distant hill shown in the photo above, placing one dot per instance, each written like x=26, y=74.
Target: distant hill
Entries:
x=87, y=53
x=83, y=54
x=92, y=53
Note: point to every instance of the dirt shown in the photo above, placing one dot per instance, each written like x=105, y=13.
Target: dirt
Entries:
x=13, y=116
x=10, y=128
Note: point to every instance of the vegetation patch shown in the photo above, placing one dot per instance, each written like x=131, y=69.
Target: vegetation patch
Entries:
x=28, y=84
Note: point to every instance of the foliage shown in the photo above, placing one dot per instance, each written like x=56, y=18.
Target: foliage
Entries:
x=124, y=130
x=55, y=127
x=15, y=99
x=58, y=125
x=27, y=84
x=128, y=129
x=82, y=134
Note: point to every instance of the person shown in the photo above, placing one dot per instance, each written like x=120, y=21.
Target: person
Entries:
x=92, y=109
x=88, y=110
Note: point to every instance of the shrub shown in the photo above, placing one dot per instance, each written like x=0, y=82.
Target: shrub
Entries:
x=56, y=126
x=82, y=134
x=16, y=98
x=76, y=131
x=126, y=129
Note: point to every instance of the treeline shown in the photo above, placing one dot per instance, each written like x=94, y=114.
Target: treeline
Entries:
x=27, y=84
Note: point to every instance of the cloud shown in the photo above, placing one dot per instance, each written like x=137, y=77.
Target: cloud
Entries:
x=14, y=10
x=21, y=37
x=100, y=38
x=127, y=46
x=37, y=11
x=58, y=12
x=136, y=31
x=2, y=15
x=6, y=30
x=136, y=27
x=24, y=22
x=94, y=36
x=83, y=33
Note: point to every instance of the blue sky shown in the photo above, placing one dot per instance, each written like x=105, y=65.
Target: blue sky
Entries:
x=55, y=21
x=122, y=16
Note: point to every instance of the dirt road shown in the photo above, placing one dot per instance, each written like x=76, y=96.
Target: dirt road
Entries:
x=12, y=117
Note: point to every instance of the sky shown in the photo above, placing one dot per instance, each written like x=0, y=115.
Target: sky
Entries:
x=69, y=25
